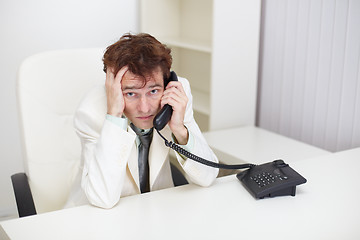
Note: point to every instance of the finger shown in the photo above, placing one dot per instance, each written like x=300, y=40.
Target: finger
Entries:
x=177, y=89
x=120, y=74
x=168, y=101
x=175, y=84
x=109, y=75
x=178, y=98
x=174, y=101
x=176, y=93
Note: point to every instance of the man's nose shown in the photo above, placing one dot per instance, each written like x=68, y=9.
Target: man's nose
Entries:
x=144, y=104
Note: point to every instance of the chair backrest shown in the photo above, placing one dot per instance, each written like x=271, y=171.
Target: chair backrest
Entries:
x=49, y=88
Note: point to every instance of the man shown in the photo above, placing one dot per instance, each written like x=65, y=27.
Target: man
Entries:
x=111, y=122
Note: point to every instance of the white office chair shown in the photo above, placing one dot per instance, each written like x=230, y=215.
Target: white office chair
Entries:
x=49, y=88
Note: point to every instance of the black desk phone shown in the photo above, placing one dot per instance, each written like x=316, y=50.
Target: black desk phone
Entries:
x=266, y=180
x=271, y=179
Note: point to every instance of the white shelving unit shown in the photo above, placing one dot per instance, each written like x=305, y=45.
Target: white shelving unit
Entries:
x=215, y=46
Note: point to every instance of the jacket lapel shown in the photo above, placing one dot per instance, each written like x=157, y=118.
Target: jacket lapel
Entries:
x=133, y=161
x=158, y=154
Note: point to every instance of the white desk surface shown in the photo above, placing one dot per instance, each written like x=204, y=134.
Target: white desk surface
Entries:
x=251, y=144
x=326, y=207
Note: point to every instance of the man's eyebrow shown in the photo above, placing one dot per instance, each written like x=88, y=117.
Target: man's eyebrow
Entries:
x=132, y=87
x=155, y=85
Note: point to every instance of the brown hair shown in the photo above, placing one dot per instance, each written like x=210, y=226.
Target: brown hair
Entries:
x=142, y=53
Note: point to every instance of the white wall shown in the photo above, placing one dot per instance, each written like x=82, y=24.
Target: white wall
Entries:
x=310, y=71
x=28, y=27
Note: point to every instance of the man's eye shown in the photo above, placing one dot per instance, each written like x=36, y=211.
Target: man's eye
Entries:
x=154, y=91
x=130, y=94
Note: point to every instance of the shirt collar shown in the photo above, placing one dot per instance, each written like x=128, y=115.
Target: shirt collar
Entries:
x=139, y=130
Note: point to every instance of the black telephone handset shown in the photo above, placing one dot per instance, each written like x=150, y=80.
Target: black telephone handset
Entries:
x=271, y=179
x=266, y=180
x=163, y=117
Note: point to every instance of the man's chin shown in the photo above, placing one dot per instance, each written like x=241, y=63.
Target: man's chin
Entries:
x=143, y=125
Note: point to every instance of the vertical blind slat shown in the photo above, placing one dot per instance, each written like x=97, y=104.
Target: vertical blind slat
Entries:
x=309, y=76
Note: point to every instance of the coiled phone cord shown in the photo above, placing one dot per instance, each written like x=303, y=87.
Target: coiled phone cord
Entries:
x=187, y=154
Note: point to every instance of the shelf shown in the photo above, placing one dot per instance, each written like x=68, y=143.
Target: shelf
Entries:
x=188, y=44
x=201, y=102
x=202, y=52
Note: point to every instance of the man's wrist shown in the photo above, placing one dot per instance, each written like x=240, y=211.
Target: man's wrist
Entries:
x=182, y=136
x=188, y=147
x=115, y=114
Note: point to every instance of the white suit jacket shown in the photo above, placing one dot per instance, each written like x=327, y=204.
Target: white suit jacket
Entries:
x=109, y=164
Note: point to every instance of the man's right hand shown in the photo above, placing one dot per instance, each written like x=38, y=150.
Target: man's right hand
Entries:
x=114, y=95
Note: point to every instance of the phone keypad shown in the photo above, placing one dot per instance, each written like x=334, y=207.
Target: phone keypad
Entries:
x=263, y=179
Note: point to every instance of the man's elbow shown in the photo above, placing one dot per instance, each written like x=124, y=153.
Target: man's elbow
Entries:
x=207, y=179
x=101, y=199
x=103, y=203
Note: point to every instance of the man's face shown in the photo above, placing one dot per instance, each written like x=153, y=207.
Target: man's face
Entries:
x=142, y=103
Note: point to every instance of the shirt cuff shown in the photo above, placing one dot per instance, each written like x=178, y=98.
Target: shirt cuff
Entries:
x=119, y=121
x=188, y=147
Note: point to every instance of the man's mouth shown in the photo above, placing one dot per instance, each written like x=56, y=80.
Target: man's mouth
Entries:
x=145, y=117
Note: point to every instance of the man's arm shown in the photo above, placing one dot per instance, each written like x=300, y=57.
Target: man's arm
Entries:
x=106, y=146
x=175, y=96
x=105, y=151
x=198, y=173
x=114, y=96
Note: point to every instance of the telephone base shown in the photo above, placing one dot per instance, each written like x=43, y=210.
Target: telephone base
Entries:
x=271, y=179
x=283, y=192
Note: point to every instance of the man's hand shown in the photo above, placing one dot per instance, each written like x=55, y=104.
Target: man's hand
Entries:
x=175, y=96
x=114, y=95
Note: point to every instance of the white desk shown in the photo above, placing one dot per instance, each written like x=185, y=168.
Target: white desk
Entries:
x=326, y=207
x=255, y=145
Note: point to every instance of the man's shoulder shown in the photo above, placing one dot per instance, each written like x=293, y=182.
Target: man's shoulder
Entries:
x=94, y=100
x=185, y=83
x=183, y=80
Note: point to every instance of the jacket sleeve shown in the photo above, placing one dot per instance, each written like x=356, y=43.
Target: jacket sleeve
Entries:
x=196, y=172
x=106, y=148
